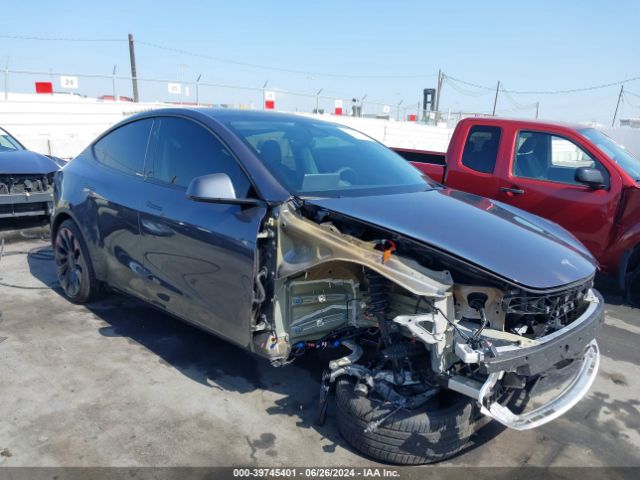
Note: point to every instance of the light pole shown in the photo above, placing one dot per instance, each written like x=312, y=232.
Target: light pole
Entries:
x=398, y=107
x=264, y=87
x=318, y=101
x=198, y=90
x=115, y=88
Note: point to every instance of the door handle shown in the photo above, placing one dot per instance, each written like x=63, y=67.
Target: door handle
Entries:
x=514, y=191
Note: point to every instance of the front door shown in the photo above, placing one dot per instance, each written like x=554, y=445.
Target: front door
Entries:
x=199, y=257
x=541, y=180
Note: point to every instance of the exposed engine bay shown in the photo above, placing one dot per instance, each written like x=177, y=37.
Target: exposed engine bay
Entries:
x=413, y=320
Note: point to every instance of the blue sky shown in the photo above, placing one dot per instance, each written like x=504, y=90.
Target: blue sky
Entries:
x=541, y=45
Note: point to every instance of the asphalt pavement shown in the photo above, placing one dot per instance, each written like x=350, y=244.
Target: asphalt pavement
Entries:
x=116, y=383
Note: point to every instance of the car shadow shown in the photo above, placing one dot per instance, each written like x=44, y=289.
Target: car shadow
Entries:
x=205, y=358
x=23, y=228
x=215, y=363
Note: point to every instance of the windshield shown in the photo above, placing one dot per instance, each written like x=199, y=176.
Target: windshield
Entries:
x=318, y=159
x=8, y=143
x=615, y=152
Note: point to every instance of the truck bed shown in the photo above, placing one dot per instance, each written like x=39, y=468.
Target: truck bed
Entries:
x=429, y=163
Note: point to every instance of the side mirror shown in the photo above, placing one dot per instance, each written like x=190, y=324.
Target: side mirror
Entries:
x=591, y=177
x=216, y=188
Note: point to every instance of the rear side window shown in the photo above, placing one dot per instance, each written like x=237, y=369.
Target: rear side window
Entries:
x=125, y=148
x=186, y=150
x=481, y=149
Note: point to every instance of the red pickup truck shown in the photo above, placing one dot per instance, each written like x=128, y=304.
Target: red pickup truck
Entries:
x=573, y=175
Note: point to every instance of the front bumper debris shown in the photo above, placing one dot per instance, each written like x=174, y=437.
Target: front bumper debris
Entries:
x=565, y=344
x=576, y=389
x=26, y=204
x=574, y=344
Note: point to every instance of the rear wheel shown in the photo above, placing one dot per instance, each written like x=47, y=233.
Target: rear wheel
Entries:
x=430, y=433
x=73, y=266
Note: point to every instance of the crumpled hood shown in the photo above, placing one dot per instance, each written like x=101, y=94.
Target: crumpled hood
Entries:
x=513, y=244
x=26, y=162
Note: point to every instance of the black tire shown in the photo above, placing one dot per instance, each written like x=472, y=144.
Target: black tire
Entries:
x=73, y=265
x=409, y=437
x=632, y=292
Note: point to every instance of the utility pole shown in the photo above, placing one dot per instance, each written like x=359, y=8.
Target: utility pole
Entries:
x=617, y=105
x=318, y=101
x=134, y=75
x=115, y=84
x=495, y=100
x=438, y=90
x=537, y=109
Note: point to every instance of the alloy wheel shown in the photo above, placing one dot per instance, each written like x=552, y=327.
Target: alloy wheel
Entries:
x=70, y=263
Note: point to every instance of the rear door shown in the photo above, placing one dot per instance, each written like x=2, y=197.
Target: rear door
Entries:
x=113, y=198
x=199, y=257
x=475, y=169
x=541, y=180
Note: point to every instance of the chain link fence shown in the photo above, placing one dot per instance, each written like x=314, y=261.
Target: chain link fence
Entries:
x=78, y=107
x=115, y=87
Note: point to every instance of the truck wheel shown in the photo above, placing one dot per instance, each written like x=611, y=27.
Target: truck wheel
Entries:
x=434, y=432
x=633, y=288
x=73, y=265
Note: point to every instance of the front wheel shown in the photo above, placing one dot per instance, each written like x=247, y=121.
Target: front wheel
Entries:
x=73, y=266
x=430, y=433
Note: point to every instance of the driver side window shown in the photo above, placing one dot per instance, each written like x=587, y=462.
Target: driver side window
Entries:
x=543, y=156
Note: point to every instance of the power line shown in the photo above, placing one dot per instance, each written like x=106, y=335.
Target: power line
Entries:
x=218, y=59
x=626, y=100
x=464, y=91
x=276, y=69
x=482, y=87
x=574, y=90
x=330, y=74
x=548, y=92
x=516, y=104
x=61, y=39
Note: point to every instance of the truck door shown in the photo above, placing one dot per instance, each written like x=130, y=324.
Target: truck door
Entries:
x=541, y=180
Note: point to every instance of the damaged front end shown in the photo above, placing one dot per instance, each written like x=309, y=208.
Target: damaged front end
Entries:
x=416, y=321
x=26, y=194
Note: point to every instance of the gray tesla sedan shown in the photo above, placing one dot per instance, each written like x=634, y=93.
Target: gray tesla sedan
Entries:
x=287, y=234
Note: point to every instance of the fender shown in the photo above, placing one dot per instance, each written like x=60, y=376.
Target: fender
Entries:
x=97, y=260
x=626, y=250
